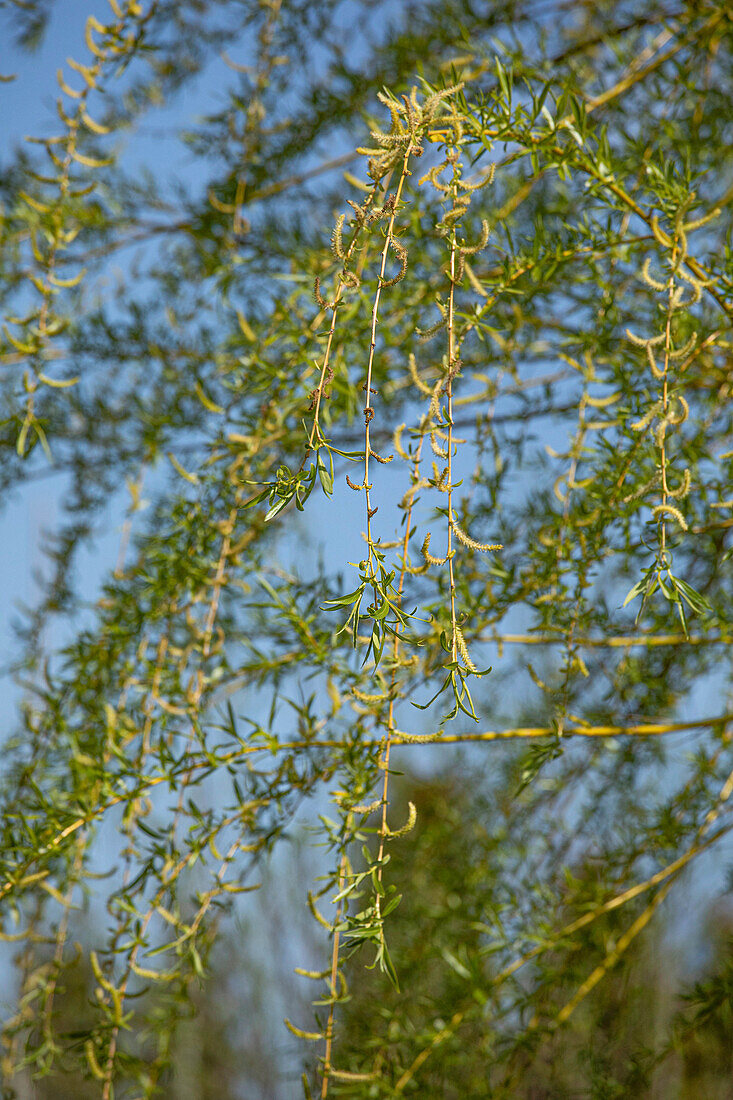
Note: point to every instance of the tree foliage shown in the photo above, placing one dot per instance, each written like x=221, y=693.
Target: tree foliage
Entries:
x=486, y=369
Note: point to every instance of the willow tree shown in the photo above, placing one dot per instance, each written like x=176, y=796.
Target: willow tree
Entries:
x=490, y=360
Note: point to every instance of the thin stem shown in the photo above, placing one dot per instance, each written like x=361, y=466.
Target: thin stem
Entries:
x=388, y=739
x=665, y=407
x=449, y=396
x=368, y=410
x=314, y=432
x=343, y=868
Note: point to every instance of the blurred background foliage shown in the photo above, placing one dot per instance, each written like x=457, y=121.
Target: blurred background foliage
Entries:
x=660, y=1025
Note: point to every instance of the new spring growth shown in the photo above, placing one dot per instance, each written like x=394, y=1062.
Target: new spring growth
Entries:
x=430, y=558
x=337, y=246
x=483, y=547
x=397, y=439
x=401, y=253
x=677, y=299
x=409, y=824
x=379, y=458
x=657, y=409
x=670, y=510
x=417, y=380
x=682, y=489
x=457, y=197
x=417, y=738
x=323, y=303
x=435, y=396
x=463, y=649
x=440, y=479
x=437, y=450
x=410, y=122
x=669, y=409
x=428, y=333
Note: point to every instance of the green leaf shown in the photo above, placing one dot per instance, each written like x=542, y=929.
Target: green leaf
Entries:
x=693, y=598
x=326, y=475
x=635, y=591
x=277, y=507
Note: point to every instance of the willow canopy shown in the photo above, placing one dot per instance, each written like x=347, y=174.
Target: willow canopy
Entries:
x=379, y=356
